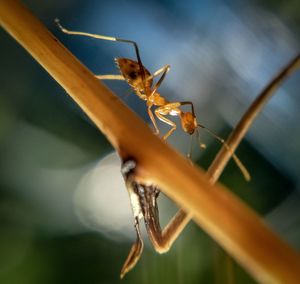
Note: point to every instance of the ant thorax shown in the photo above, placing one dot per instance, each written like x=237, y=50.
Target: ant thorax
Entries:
x=157, y=100
x=132, y=73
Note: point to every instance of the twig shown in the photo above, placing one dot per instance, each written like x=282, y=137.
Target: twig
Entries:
x=231, y=223
x=246, y=121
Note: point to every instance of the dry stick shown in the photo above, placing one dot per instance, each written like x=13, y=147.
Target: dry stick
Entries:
x=222, y=215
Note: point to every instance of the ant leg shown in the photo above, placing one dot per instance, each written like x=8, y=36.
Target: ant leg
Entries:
x=160, y=115
x=96, y=36
x=150, y=113
x=110, y=77
x=161, y=70
x=164, y=72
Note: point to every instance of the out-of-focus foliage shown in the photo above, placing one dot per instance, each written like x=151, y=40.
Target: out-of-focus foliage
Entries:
x=222, y=54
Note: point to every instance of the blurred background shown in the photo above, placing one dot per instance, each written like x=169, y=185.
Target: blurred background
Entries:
x=64, y=211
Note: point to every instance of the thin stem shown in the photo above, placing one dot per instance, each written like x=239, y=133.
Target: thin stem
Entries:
x=219, y=163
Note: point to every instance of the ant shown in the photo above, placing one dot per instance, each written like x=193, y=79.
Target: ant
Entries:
x=143, y=197
x=141, y=80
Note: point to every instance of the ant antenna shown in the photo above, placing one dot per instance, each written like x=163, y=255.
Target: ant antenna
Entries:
x=238, y=162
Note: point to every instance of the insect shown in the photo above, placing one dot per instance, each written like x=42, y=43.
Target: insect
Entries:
x=141, y=80
x=143, y=197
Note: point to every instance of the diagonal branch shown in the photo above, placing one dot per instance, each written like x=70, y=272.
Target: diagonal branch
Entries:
x=229, y=221
x=246, y=121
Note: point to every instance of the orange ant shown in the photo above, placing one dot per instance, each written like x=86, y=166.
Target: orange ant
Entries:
x=141, y=80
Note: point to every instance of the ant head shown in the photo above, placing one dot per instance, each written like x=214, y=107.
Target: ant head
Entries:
x=188, y=122
x=132, y=73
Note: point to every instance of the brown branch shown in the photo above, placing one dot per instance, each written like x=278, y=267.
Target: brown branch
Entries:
x=230, y=222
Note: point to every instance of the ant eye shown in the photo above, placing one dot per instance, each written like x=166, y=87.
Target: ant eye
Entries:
x=132, y=75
